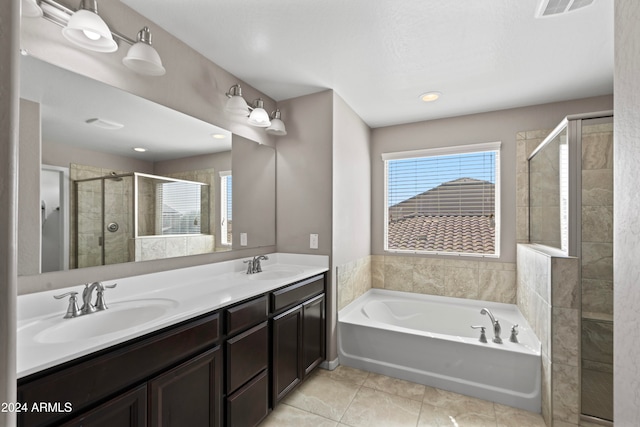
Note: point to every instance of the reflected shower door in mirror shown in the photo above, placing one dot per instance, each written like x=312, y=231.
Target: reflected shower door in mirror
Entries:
x=95, y=131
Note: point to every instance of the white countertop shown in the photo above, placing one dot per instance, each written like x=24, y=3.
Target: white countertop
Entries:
x=180, y=295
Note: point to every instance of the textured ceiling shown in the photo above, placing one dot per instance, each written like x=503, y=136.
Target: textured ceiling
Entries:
x=380, y=55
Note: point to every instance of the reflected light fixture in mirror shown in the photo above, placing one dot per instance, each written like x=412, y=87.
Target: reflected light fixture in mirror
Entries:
x=277, y=125
x=87, y=30
x=30, y=9
x=142, y=57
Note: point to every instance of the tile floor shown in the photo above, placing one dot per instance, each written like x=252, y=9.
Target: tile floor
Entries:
x=351, y=397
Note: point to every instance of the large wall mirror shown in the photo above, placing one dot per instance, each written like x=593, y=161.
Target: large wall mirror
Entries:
x=123, y=179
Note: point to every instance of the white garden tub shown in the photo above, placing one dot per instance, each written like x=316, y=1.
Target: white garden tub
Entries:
x=429, y=340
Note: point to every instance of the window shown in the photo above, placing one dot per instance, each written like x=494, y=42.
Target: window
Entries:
x=226, y=206
x=180, y=205
x=443, y=201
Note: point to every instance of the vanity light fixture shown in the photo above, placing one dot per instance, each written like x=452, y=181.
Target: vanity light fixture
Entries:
x=259, y=116
x=86, y=29
x=139, y=149
x=30, y=9
x=142, y=57
x=218, y=136
x=236, y=105
x=277, y=125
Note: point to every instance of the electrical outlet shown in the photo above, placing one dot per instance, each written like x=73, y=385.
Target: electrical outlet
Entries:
x=243, y=239
x=313, y=241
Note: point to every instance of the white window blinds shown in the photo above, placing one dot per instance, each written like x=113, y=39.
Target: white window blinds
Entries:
x=443, y=200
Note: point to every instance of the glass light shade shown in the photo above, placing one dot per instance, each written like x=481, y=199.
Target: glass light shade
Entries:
x=86, y=29
x=277, y=125
x=30, y=9
x=259, y=118
x=144, y=59
x=237, y=106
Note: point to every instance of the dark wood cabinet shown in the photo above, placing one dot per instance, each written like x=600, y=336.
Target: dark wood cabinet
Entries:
x=228, y=367
x=126, y=410
x=298, y=334
x=189, y=394
x=287, y=339
x=313, y=334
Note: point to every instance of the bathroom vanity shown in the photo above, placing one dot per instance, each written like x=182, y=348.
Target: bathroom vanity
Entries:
x=229, y=349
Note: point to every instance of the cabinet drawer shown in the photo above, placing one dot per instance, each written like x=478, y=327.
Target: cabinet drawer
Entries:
x=246, y=315
x=94, y=379
x=297, y=293
x=247, y=355
x=249, y=405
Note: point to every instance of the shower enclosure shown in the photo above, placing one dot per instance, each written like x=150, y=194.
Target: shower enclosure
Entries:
x=571, y=209
x=132, y=217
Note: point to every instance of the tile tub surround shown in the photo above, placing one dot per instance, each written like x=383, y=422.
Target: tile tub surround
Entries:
x=478, y=280
x=195, y=290
x=354, y=279
x=352, y=397
x=548, y=297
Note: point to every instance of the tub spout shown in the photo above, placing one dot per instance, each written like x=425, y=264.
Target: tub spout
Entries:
x=496, y=325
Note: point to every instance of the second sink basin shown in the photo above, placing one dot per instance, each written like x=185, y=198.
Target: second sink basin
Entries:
x=119, y=316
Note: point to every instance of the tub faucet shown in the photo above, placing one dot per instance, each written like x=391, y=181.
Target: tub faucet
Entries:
x=496, y=326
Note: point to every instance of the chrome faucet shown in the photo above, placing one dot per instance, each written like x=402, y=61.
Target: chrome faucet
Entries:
x=496, y=326
x=254, y=264
x=87, y=306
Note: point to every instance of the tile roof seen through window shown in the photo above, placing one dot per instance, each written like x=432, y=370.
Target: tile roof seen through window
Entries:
x=462, y=234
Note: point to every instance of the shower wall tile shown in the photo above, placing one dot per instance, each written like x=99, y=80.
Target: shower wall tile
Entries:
x=597, y=341
x=597, y=296
x=566, y=336
x=597, y=151
x=597, y=261
x=597, y=187
x=597, y=224
x=566, y=393
x=565, y=282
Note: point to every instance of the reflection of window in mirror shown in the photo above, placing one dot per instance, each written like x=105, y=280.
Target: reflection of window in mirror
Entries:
x=225, y=208
x=180, y=204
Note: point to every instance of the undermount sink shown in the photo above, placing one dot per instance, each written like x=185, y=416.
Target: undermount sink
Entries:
x=120, y=316
x=275, y=274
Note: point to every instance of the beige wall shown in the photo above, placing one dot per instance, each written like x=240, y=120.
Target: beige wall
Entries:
x=487, y=127
x=9, y=128
x=29, y=237
x=351, y=212
x=626, y=220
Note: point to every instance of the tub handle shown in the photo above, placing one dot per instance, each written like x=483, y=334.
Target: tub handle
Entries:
x=514, y=333
x=483, y=336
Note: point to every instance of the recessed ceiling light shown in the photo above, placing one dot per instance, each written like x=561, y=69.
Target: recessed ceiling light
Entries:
x=430, y=96
x=140, y=149
x=105, y=124
x=218, y=135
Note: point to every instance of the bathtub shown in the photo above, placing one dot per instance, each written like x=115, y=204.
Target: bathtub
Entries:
x=429, y=340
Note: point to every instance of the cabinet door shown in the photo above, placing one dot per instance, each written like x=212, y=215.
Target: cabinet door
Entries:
x=313, y=333
x=190, y=394
x=127, y=410
x=287, y=352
